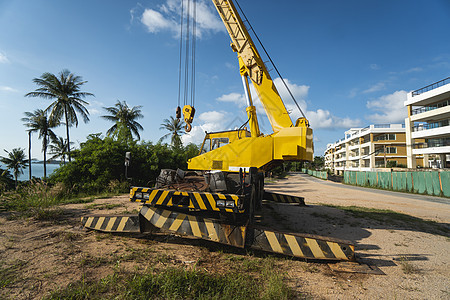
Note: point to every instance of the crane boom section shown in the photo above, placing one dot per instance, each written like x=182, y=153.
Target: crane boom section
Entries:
x=251, y=65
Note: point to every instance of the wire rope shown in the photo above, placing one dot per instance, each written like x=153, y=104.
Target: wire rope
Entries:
x=181, y=54
x=271, y=61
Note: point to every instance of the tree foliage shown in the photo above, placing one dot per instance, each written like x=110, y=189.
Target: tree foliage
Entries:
x=69, y=101
x=58, y=148
x=37, y=121
x=15, y=161
x=101, y=160
x=124, y=119
x=175, y=127
x=6, y=180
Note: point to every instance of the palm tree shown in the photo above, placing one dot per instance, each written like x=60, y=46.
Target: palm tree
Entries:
x=16, y=161
x=175, y=128
x=124, y=120
x=58, y=148
x=37, y=121
x=65, y=90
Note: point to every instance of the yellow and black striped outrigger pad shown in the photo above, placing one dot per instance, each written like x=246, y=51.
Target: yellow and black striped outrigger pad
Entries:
x=282, y=198
x=195, y=226
x=302, y=245
x=192, y=200
x=121, y=223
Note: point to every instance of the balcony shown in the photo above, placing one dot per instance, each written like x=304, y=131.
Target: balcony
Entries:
x=435, y=129
x=430, y=107
x=431, y=86
x=433, y=143
x=432, y=146
x=430, y=95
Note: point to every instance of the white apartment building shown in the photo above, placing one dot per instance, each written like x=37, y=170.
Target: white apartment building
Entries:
x=428, y=125
x=367, y=149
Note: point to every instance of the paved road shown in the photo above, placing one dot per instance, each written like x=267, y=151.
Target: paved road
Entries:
x=317, y=191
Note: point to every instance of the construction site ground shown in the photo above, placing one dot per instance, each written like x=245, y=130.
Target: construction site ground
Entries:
x=45, y=255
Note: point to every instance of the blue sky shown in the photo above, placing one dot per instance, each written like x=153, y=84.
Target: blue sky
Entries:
x=349, y=63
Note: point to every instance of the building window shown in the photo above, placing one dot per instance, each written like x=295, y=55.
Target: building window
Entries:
x=391, y=150
x=385, y=137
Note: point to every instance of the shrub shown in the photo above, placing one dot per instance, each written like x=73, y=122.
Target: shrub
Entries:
x=98, y=165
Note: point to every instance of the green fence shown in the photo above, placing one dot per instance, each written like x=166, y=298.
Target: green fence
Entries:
x=318, y=174
x=432, y=183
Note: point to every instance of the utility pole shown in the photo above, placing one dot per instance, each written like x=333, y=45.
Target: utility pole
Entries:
x=29, y=153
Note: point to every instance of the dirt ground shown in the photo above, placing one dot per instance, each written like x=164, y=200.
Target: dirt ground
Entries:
x=46, y=255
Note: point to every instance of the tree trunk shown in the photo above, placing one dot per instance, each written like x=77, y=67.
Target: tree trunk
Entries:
x=67, y=134
x=45, y=158
x=29, y=153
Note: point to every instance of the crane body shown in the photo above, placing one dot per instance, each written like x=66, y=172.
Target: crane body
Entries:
x=217, y=198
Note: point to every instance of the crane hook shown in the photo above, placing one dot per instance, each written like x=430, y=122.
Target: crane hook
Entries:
x=188, y=114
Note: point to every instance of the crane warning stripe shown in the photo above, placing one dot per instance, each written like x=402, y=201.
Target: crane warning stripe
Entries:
x=211, y=230
x=195, y=226
x=282, y=198
x=112, y=223
x=302, y=246
x=295, y=247
x=273, y=241
x=99, y=223
x=198, y=200
x=337, y=251
x=177, y=222
x=314, y=246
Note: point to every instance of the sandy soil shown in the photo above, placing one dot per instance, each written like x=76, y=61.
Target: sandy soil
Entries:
x=46, y=255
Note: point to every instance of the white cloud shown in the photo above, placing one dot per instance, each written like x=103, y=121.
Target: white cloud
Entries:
x=208, y=121
x=3, y=58
x=4, y=88
x=214, y=117
x=318, y=119
x=167, y=18
x=389, y=108
x=374, y=67
x=324, y=119
x=412, y=70
x=155, y=21
x=375, y=88
x=300, y=92
x=236, y=98
x=353, y=92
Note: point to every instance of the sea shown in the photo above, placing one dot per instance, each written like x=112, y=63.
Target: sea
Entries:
x=37, y=170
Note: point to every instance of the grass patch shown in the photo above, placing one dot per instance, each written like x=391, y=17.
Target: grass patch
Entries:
x=102, y=206
x=10, y=274
x=408, y=267
x=40, y=195
x=390, y=217
x=180, y=283
x=47, y=214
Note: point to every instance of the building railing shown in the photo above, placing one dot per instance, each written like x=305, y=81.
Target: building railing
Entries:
x=431, y=87
x=433, y=143
x=431, y=107
x=431, y=125
x=382, y=126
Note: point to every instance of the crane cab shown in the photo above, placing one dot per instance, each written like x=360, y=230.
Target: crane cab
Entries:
x=215, y=140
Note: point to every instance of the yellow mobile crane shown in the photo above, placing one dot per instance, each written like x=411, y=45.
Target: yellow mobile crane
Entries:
x=217, y=198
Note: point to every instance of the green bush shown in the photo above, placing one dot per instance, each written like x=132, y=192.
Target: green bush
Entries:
x=98, y=165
